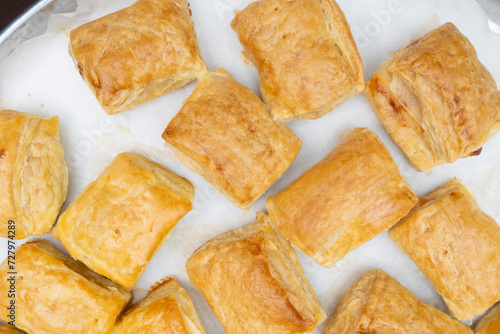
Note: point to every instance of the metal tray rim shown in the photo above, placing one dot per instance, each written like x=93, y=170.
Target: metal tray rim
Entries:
x=22, y=19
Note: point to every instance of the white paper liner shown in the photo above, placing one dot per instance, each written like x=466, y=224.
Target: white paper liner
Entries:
x=39, y=77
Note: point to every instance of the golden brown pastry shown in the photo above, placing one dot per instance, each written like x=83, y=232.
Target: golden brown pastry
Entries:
x=435, y=99
x=377, y=303
x=490, y=324
x=33, y=174
x=138, y=53
x=355, y=193
x=119, y=221
x=456, y=245
x=304, y=52
x=9, y=330
x=224, y=133
x=166, y=309
x=252, y=280
x=56, y=294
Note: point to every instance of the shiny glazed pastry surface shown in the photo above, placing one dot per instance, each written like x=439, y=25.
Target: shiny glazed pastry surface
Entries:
x=435, y=99
x=119, y=221
x=166, y=309
x=456, y=245
x=377, y=303
x=252, y=280
x=33, y=173
x=138, y=53
x=490, y=324
x=224, y=133
x=355, y=193
x=305, y=54
x=56, y=294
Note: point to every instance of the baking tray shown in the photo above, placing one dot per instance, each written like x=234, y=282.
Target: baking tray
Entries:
x=40, y=77
x=31, y=22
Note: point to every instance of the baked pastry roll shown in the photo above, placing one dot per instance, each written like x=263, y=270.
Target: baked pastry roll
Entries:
x=252, y=280
x=435, y=99
x=456, y=245
x=56, y=294
x=166, y=309
x=355, y=193
x=138, y=53
x=305, y=55
x=9, y=330
x=119, y=221
x=224, y=133
x=490, y=324
x=33, y=174
x=377, y=303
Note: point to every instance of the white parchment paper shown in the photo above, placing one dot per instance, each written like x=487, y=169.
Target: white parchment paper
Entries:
x=39, y=77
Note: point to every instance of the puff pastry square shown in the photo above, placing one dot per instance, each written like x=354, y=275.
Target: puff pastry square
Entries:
x=306, y=57
x=166, y=309
x=119, y=221
x=138, y=53
x=490, y=324
x=252, y=280
x=377, y=303
x=355, y=193
x=56, y=294
x=457, y=246
x=224, y=133
x=435, y=99
x=33, y=174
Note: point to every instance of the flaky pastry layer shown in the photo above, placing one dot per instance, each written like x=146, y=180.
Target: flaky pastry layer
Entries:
x=252, y=280
x=355, y=193
x=304, y=52
x=167, y=308
x=138, y=53
x=224, y=133
x=120, y=221
x=456, y=245
x=56, y=294
x=435, y=99
x=33, y=174
x=377, y=303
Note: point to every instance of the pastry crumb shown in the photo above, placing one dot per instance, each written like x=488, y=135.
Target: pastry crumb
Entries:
x=244, y=59
x=344, y=132
x=123, y=128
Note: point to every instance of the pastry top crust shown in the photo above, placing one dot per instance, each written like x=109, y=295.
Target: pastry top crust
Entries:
x=353, y=194
x=224, y=133
x=133, y=49
x=166, y=309
x=119, y=221
x=56, y=294
x=252, y=280
x=456, y=245
x=490, y=324
x=33, y=173
x=435, y=99
x=377, y=303
x=305, y=54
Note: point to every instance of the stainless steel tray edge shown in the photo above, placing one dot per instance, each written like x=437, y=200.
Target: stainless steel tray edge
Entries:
x=32, y=23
